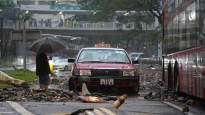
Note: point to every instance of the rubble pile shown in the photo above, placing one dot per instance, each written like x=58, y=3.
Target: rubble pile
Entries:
x=150, y=77
x=35, y=95
x=151, y=83
x=61, y=82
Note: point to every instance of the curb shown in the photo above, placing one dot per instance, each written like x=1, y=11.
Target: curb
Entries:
x=177, y=107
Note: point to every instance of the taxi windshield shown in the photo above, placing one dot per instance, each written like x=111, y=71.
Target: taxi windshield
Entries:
x=103, y=56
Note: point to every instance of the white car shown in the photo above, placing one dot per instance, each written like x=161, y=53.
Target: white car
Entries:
x=61, y=64
x=135, y=56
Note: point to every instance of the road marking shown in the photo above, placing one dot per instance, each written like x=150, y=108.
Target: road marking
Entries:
x=19, y=108
x=107, y=111
x=98, y=112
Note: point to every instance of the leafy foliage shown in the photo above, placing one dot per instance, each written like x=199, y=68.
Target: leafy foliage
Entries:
x=106, y=9
x=6, y=3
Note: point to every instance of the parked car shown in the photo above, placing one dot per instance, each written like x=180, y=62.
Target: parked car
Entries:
x=104, y=67
x=61, y=64
x=135, y=56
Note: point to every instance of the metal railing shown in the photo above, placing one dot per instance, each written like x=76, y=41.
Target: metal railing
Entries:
x=78, y=26
x=74, y=26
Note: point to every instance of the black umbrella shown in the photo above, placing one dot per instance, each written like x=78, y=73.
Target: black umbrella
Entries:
x=47, y=45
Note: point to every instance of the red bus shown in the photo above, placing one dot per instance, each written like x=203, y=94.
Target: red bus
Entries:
x=184, y=46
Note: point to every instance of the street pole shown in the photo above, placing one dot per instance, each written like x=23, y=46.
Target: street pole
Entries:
x=24, y=37
x=163, y=38
x=1, y=34
x=24, y=43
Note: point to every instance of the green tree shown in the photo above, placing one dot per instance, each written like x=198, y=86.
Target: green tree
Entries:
x=6, y=3
x=106, y=9
x=125, y=11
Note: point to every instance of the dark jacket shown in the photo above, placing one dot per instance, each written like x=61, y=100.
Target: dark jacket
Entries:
x=42, y=65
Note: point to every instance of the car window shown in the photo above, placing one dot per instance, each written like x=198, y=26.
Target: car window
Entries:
x=61, y=61
x=103, y=55
x=135, y=55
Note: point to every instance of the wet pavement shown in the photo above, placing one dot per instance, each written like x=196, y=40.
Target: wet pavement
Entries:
x=6, y=109
x=134, y=104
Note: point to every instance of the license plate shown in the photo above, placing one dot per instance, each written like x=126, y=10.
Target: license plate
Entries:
x=106, y=81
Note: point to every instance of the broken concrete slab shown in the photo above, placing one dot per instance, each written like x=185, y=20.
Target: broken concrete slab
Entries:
x=4, y=78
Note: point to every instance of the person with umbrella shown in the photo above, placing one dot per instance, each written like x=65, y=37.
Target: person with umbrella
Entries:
x=43, y=70
x=43, y=46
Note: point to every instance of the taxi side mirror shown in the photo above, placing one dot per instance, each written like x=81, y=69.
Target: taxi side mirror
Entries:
x=71, y=60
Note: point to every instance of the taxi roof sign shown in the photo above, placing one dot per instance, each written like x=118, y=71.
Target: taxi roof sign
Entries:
x=101, y=45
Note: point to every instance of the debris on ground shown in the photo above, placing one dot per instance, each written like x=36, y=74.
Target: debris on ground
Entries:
x=100, y=110
x=154, y=90
x=189, y=102
x=92, y=99
x=35, y=95
x=97, y=111
x=85, y=90
x=61, y=82
x=185, y=108
x=120, y=101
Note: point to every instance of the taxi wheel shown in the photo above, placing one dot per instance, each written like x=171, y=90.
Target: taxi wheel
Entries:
x=134, y=90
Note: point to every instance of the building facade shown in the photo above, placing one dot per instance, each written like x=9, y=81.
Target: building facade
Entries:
x=45, y=19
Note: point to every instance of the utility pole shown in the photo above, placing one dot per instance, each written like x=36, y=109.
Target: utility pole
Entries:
x=24, y=43
x=24, y=36
x=1, y=33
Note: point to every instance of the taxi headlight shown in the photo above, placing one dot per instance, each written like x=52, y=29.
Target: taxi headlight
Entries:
x=85, y=73
x=128, y=73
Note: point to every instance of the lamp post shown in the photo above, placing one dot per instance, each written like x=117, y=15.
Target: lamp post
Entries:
x=1, y=32
x=23, y=17
x=24, y=37
x=24, y=43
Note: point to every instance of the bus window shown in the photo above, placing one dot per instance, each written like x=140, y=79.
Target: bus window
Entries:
x=202, y=58
x=192, y=59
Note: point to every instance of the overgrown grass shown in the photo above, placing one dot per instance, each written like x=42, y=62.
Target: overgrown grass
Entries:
x=4, y=85
x=21, y=74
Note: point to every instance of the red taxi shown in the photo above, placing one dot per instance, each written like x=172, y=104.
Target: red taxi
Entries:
x=104, y=67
